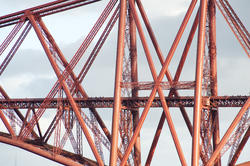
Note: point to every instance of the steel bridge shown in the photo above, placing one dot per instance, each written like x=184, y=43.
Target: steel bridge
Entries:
x=76, y=114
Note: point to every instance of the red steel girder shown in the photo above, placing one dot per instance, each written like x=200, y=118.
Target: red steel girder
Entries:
x=10, y=37
x=134, y=78
x=108, y=102
x=45, y=150
x=198, y=85
x=240, y=148
x=176, y=78
x=117, y=88
x=228, y=132
x=156, y=88
x=66, y=89
x=235, y=24
x=7, y=124
x=14, y=48
x=43, y=10
x=18, y=113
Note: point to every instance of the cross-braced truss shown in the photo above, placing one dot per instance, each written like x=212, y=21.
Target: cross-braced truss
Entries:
x=75, y=114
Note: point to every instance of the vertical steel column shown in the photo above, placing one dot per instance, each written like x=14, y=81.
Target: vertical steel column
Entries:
x=66, y=90
x=212, y=46
x=118, y=79
x=198, y=86
x=213, y=72
x=134, y=78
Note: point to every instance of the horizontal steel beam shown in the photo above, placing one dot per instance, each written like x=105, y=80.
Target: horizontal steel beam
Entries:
x=164, y=85
x=43, y=10
x=108, y=102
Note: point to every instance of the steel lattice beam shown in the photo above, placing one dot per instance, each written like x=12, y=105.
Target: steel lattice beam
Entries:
x=108, y=102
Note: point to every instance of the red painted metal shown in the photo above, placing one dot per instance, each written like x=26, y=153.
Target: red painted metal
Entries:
x=228, y=132
x=134, y=78
x=11, y=36
x=163, y=71
x=118, y=79
x=235, y=24
x=236, y=137
x=66, y=90
x=198, y=88
x=94, y=52
x=213, y=71
x=176, y=78
x=43, y=10
x=108, y=102
x=14, y=48
x=240, y=148
x=7, y=125
x=98, y=46
x=65, y=159
x=69, y=98
x=160, y=56
x=79, y=55
x=18, y=113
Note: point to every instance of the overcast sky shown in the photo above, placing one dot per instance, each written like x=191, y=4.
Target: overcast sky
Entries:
x=30, y=75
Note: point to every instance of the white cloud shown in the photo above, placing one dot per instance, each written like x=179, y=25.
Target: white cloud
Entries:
x=16, y=84
x=167, y=8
